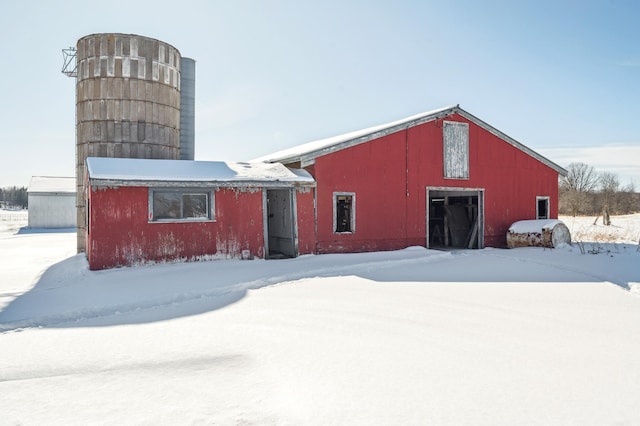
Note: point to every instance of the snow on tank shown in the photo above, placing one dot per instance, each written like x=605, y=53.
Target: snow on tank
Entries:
x=538, y=233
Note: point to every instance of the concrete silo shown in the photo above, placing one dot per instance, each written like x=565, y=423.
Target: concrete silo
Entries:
x=187, y=108
x=127, y=103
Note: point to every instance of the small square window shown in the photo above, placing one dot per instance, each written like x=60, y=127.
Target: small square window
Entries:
x=166, y=205
x=344, y=212
x=195, y=206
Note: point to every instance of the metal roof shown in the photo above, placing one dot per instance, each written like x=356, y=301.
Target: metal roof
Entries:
x=104, y=171
x=315, y=149
x=52, y=185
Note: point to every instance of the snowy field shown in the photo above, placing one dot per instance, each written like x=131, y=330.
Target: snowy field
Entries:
x=527, y=336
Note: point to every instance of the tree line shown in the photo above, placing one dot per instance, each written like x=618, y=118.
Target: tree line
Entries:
x=14, y=196
x=586, y=192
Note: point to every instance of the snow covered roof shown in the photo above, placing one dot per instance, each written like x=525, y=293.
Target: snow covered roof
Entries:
x=52, y=185
x=135, y=172
x=312, y=150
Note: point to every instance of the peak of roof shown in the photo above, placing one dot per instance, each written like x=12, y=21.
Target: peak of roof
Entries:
x=312, y=150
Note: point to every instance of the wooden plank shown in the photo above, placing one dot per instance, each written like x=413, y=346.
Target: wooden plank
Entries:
x=473, y=235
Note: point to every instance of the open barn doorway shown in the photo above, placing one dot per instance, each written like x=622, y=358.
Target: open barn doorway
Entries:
x=455, y=218
x=280, y=224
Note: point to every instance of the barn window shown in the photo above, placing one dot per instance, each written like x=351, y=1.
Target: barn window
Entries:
x=455, y=138
x=542, y=207
x=344, y=212
x=180, y=205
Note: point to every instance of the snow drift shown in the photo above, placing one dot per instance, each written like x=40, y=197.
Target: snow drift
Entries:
x=485, y=337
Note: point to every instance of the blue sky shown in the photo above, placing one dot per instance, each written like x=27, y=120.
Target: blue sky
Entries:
x=562, y=77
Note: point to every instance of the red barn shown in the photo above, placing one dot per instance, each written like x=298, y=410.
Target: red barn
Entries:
x=443, y=178
x=163, y=210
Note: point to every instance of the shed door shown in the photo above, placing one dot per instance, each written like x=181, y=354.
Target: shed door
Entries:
x=280, y=224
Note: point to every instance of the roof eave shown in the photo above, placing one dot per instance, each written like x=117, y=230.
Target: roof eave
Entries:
x=511, y=141
x=311, y=155
x=112, y=183
x=51, y=193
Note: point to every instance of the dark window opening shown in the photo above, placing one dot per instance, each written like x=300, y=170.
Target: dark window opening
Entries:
x=344, y=213
x=542, y=211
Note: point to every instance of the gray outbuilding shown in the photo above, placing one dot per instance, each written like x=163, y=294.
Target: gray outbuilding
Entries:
x=52, y=202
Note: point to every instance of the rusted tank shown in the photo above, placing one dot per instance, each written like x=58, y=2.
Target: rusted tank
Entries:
x=538, y=233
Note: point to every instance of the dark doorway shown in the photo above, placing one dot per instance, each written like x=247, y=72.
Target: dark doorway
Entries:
x=280, y=233
x=455, y=218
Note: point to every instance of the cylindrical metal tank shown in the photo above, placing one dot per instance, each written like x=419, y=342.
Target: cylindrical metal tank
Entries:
x=549, y=233
x=127, y=103
x=187, y=108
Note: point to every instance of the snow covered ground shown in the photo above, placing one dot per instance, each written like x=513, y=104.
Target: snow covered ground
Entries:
x=526, y=336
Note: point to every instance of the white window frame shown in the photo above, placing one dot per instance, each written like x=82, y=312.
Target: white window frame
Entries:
x=547, y=199
x=455, y=150
x=183, y=191
x=353, y=212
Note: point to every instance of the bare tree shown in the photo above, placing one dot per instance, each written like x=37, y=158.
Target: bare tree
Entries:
x=609, y=187
x=580, y=180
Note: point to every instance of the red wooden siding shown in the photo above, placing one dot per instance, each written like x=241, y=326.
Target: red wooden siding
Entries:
x=120, y=234
x=390, y=175
x=305, y=217
x=375, y=172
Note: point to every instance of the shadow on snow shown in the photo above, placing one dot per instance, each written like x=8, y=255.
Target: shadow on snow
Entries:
x=69, y=295
x=26, y=230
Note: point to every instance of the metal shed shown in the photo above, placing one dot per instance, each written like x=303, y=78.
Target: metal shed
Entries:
x=52, y=202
